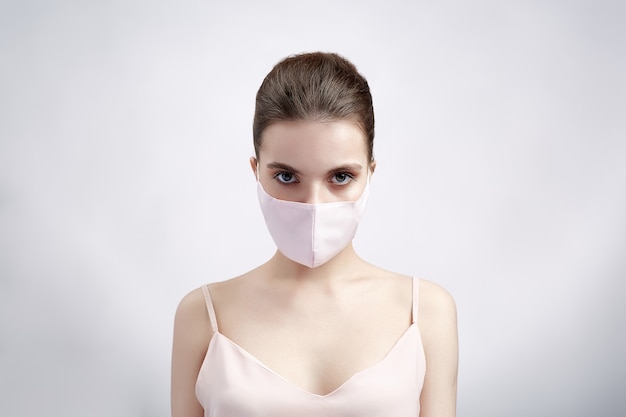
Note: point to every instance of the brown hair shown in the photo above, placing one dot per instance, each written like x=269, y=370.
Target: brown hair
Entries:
x=314, y=86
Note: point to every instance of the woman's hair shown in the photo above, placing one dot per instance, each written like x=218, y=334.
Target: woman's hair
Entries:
x=317, y=87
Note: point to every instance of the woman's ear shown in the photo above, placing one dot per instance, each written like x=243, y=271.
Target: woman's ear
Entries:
x=253, y=164
x=372, y=167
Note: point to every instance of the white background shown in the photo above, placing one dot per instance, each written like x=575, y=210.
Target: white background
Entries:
x=125, y=133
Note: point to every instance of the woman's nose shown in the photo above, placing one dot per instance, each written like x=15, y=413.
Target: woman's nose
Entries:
x=315, y=194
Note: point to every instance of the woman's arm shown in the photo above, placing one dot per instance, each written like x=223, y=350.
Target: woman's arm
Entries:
x=192, y=333
x=438, y=327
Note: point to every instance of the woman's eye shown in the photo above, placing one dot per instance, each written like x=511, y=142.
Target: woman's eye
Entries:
x=342, y=178
x=285, y=177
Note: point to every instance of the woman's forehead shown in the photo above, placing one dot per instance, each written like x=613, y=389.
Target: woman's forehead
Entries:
x=313, y=143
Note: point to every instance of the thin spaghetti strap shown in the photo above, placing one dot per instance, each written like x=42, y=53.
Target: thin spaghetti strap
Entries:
x=209, y=307
x=416, y=297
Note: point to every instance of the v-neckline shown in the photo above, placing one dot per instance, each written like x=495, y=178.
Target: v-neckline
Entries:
x=246, y=354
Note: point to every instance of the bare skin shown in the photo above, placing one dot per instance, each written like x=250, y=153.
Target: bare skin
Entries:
x=317, y=327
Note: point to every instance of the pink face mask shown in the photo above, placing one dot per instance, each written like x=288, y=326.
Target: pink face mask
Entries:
x=311, y=234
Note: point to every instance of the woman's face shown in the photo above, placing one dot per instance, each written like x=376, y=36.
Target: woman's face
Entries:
x=313, y=162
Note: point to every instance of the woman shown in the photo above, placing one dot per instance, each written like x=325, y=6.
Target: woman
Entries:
x=315, y=331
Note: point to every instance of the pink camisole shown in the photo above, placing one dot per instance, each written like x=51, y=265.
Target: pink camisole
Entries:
x=233, y=383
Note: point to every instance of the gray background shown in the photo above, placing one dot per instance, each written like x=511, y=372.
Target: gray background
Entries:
x=125, y=133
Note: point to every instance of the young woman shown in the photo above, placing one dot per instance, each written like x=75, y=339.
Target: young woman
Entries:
x=316, y=331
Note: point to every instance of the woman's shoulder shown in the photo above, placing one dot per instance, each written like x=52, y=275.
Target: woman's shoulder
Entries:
x=434, y=299
x=192, y=310
x=437, y=309
x=432, y=296
x=195, y=303
x=434, y=292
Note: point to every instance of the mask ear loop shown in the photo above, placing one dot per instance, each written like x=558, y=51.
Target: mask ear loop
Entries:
x=365, y=192
x=258, y=180
x=258, y=174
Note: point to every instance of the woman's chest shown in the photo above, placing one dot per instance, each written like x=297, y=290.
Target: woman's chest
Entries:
x=319, y=353
x=233, y=382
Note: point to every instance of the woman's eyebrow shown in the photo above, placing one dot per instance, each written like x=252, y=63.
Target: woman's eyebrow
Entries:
x=347, y=167
x=284, y=167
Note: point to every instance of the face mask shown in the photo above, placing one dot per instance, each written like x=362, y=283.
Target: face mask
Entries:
x=311, y=234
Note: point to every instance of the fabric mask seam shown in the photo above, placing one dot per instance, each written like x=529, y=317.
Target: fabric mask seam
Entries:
x=313, y=224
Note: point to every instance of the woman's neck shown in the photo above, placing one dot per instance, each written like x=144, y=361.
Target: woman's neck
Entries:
x=344, y=266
